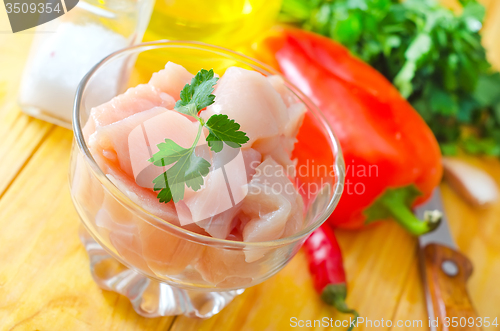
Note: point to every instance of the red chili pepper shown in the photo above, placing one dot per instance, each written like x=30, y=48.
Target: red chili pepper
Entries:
x=393, y=161
x=327, y=269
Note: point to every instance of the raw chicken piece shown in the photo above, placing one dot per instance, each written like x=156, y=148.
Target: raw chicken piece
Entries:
x=162, y=90
x=277, y=147
x=172, y=79
x=266, y=110
x=272, y=209
x=112, y=140
x=215, y=205
x=133, y=140
x=220, y=225
x=165, y=253
x=295, y=108
x=134, y=100
x=296, y=221
x=280, y=147
x=220, y=267
x=140, y=243
x=116, y=224
x=141, y=196
x=278, y=84
x=252, y=159
x=144, y=139
x=268, y=212
x=296, y=113
x=273, y=175
x=210, y=207
x=248, y=98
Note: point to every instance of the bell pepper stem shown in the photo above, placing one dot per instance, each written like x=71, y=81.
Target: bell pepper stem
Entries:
x=335, y=295
x=395, y=203
x=405, y=217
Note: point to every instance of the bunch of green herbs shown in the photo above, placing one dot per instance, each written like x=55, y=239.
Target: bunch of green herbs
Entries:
x=432, y=54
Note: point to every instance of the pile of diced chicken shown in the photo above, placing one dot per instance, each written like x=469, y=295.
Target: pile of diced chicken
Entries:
x=266, y=110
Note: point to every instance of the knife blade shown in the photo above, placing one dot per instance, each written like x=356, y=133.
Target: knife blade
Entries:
x=445, y=272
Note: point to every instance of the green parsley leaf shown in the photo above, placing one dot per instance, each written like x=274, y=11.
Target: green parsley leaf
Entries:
x=161, y=184
x=198, y=168
x=189, y=169
x=198, y=94
x=473, y=14
x=169, y=152
x=176, y=177
x=222, y=129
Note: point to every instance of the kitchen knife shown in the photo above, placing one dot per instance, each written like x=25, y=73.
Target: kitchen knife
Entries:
x=445, y=272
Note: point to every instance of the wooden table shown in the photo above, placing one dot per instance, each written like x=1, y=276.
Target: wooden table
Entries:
x=45, y=283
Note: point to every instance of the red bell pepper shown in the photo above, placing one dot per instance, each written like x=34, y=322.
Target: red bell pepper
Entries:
x=325, y=264
x=393, y=161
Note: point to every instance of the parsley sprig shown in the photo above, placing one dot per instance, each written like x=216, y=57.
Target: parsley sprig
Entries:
x=189, y=169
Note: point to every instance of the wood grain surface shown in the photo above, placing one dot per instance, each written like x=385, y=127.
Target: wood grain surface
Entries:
x=45, y=283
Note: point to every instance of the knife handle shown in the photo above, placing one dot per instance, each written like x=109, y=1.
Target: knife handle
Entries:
x=446, y=274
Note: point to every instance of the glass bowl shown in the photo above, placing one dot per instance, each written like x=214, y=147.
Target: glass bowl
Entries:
x=162, y=268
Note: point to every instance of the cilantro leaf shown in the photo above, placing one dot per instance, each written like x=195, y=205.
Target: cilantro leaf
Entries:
x=198, y=94
x=223, y=129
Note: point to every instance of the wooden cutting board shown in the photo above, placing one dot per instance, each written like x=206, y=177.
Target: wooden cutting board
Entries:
x=45, y=283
